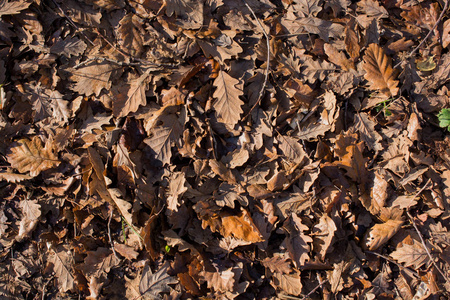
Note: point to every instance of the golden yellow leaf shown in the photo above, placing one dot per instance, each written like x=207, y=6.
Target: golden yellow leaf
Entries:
x=379, y=71
x=29, y=156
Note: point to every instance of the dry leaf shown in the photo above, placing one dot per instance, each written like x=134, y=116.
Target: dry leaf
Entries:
x=228, y=105
x=288, y=283
x=62, y=265
x=413, y=255
x=29, y=156
x=379, y=234
x=130, y=96
x=92, y=79
x=379, y=71
x=152, y=284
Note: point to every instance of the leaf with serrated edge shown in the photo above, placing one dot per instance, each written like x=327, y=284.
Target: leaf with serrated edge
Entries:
x=130, y=96
x=379, y=71
x=379, y=234
x=29, y=156
x=92, y=78
x=62, y=265
x=411, y=255
x=152, y=284
x=228, y=105
x=367, y=133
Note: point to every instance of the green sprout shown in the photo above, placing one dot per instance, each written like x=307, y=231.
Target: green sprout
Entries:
x=444, y=118
x=383, y=106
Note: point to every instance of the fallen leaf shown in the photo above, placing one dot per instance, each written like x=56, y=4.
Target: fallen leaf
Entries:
x=379, y=71
x=29, y=156
x=228, y=105
x=62, y=262
x=413, y=255
x=92, y=79
x=152, y=284
x=379, y=234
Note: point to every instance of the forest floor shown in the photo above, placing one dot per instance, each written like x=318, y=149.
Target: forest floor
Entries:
x=224, y=149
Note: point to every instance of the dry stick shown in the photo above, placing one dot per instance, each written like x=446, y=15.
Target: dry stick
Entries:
x=109, y=233
x=315, y=289
x=426, y=248
x=266, y=75
x=429, y=32
x=72, y=22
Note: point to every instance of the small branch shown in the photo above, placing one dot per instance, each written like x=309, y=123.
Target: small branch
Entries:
x=72, y=22
x=266, y=75
x=426, y=248
x=315, y=289
x=429, y=32
x=109, y=233
x=392, y=261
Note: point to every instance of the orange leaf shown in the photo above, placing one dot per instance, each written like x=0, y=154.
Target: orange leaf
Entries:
x=379, y=72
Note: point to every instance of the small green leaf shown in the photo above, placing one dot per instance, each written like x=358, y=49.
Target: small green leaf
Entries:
x=444, y=118
x=167, y=248
x=427, y=64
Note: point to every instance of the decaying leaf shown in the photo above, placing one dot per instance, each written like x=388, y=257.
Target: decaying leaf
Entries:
x=62, y=261
x=29, y=156
x=92, y=78
x=379, y=71
x=413, y=255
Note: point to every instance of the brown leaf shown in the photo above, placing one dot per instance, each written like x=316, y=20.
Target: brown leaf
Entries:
x=98, y=262
x=291, y=148
x=325, y=29
x=190, y=10
x=165, y=135
x=29, y=156
x=228, y=105
x=288, y=283
x=62, y=265
x=296, y=241
x=131, y=95
x=379, y=234
x=277, y=264
x=241, y=226
x=152, y=284
x=13, y=177
x=446, y=34
x=379, y=71
x=323, y=234
x=367, y=133
x=129, y=35
x=13, y=7
x=126, y=251
x=413, y=255
x=338, y=58
x=68, y=47
x=91, y=79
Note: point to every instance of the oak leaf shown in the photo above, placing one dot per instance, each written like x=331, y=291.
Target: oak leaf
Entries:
x=62, y=265
x=296, y=241
x=98, y=262
x=29, y=156
x=413, y=255
x=228, y=105
x=152, y=284
x=291, y=148
x=379, y=71
x=129, y=35
x=91, y=79
x=13, y=177
x=325, y=29
x=367, y=133
x=130, y=96
x=277, y=264
x=190, y=10
x=288, y=283
x=379, y=234
x=69, y=46
x=12, y=7
x=165, y=135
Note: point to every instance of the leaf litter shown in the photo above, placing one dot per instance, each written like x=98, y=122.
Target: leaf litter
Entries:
x=224, y=149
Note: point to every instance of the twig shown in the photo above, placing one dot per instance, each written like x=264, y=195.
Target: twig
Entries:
x=109, y=233
x=315, y=289
x=392, y=261
x=72, y=22
x=426, y=248
x=266, y=75
x=429, y=32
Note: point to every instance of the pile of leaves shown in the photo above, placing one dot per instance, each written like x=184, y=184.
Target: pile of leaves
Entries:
x=224, y=149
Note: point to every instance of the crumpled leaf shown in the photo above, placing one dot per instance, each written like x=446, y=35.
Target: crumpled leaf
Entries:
x=366, y=128
x=129, y=35
x=190, y=10
x=379, y=71
x=152, y=284
x=12, y=7
x=29, y=156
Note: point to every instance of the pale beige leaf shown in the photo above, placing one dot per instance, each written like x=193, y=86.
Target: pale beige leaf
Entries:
x=62, y=265
x=297, y=242
x=3, y=223
x=12, y=7
x=98, y=262
x=379, y=234
x=122, y=205
x=379, y=191
x=95, y=122
x=367, y=133
x=129, y=35
x=31, y=209
x=316, y=69
x=130, y=96
x=379, y=71
x=312, y=131
x=411, y=255
x=126, y=251
x=29, y=156
x=13, y=177
x=325, y=29
x=60, y=109
x=446, y=34
x=92, y=78
x=228, y=105
x=221, y=281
